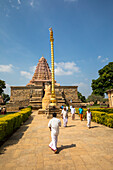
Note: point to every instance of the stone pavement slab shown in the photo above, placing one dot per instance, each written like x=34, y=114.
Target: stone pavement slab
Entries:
x=79, y=148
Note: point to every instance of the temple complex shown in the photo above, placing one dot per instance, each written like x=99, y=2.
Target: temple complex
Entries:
x=33, y=93
x=42, y=92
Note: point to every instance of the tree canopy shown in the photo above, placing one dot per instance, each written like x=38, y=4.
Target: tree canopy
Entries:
x=96, y=98
x=82, y=98
x=6, y=97
x=2, y=87
x=105, y=80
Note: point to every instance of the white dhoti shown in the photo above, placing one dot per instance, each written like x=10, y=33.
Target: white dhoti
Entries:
x=88, y=122
x=73, y=116
x=53, y=144
x=65, y=120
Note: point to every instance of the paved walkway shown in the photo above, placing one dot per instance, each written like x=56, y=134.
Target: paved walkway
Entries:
x=79, y=148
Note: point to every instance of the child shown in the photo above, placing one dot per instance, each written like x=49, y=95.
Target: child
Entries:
x=88, y=118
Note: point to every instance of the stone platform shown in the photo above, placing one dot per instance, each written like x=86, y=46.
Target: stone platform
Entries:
x=79, y=148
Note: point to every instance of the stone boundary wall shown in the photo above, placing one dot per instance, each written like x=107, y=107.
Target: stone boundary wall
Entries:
x=14, y=107
x=21, y=93
x=70, y=92
x=110, y=97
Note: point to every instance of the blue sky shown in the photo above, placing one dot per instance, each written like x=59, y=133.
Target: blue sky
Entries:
x=83, y=39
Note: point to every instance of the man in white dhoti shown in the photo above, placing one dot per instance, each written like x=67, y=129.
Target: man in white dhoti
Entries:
x=54, y=124
x=65, y=116
x=88, y=118
x=73, y=111
x=67, y=108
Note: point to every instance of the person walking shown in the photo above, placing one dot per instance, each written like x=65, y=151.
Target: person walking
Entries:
x=73, y=112
x=65, y=116
x=0, y=109
x=54, y=125
x=62, y=107
x=81, y=113
x=67, y=108
x=89, y=116
x=70, y=107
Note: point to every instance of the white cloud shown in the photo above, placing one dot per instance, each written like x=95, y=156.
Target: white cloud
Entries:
x=6, y=68
x=60, y=72
x=32, y=69
x=104, y=60
x=81, y=84
x=7, y=89
x=32, y=3
x=19, y=2
x=26, y=74
x=66, y=68
x=99, y=57
x=84, y=88
x=29, y=74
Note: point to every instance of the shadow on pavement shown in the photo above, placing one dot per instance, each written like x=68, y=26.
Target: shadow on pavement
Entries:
x=65, y=147
x=94, y=127
x=71, y=126
x=15, y=137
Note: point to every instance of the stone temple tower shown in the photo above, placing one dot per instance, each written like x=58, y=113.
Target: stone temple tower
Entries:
x=42, y=73
x=41, y=78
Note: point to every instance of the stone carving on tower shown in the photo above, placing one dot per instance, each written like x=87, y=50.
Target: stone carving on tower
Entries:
x=42, y=73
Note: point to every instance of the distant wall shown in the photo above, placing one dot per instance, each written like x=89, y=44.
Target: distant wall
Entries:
x=24, y=92
x=16, y=105
x=69, y=92
x=21, y=96
x=110, y=97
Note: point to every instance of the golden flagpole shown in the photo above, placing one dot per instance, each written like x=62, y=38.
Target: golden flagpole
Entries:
x=53, y=98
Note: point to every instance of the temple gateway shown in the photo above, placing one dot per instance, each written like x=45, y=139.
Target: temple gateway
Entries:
x=38, y=90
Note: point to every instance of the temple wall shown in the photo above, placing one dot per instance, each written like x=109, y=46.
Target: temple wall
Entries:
x=24, y=93
x=110, y=97
x=21, y=96
x=32, y=95
x=70, y=92
x=16, y=105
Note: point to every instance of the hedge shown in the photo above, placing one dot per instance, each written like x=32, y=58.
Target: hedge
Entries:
x=107, y=110
x=11, y=122
x=100, y=115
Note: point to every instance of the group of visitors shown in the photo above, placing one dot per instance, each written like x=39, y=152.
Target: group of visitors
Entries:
x=55, y=123
x=2, y=110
